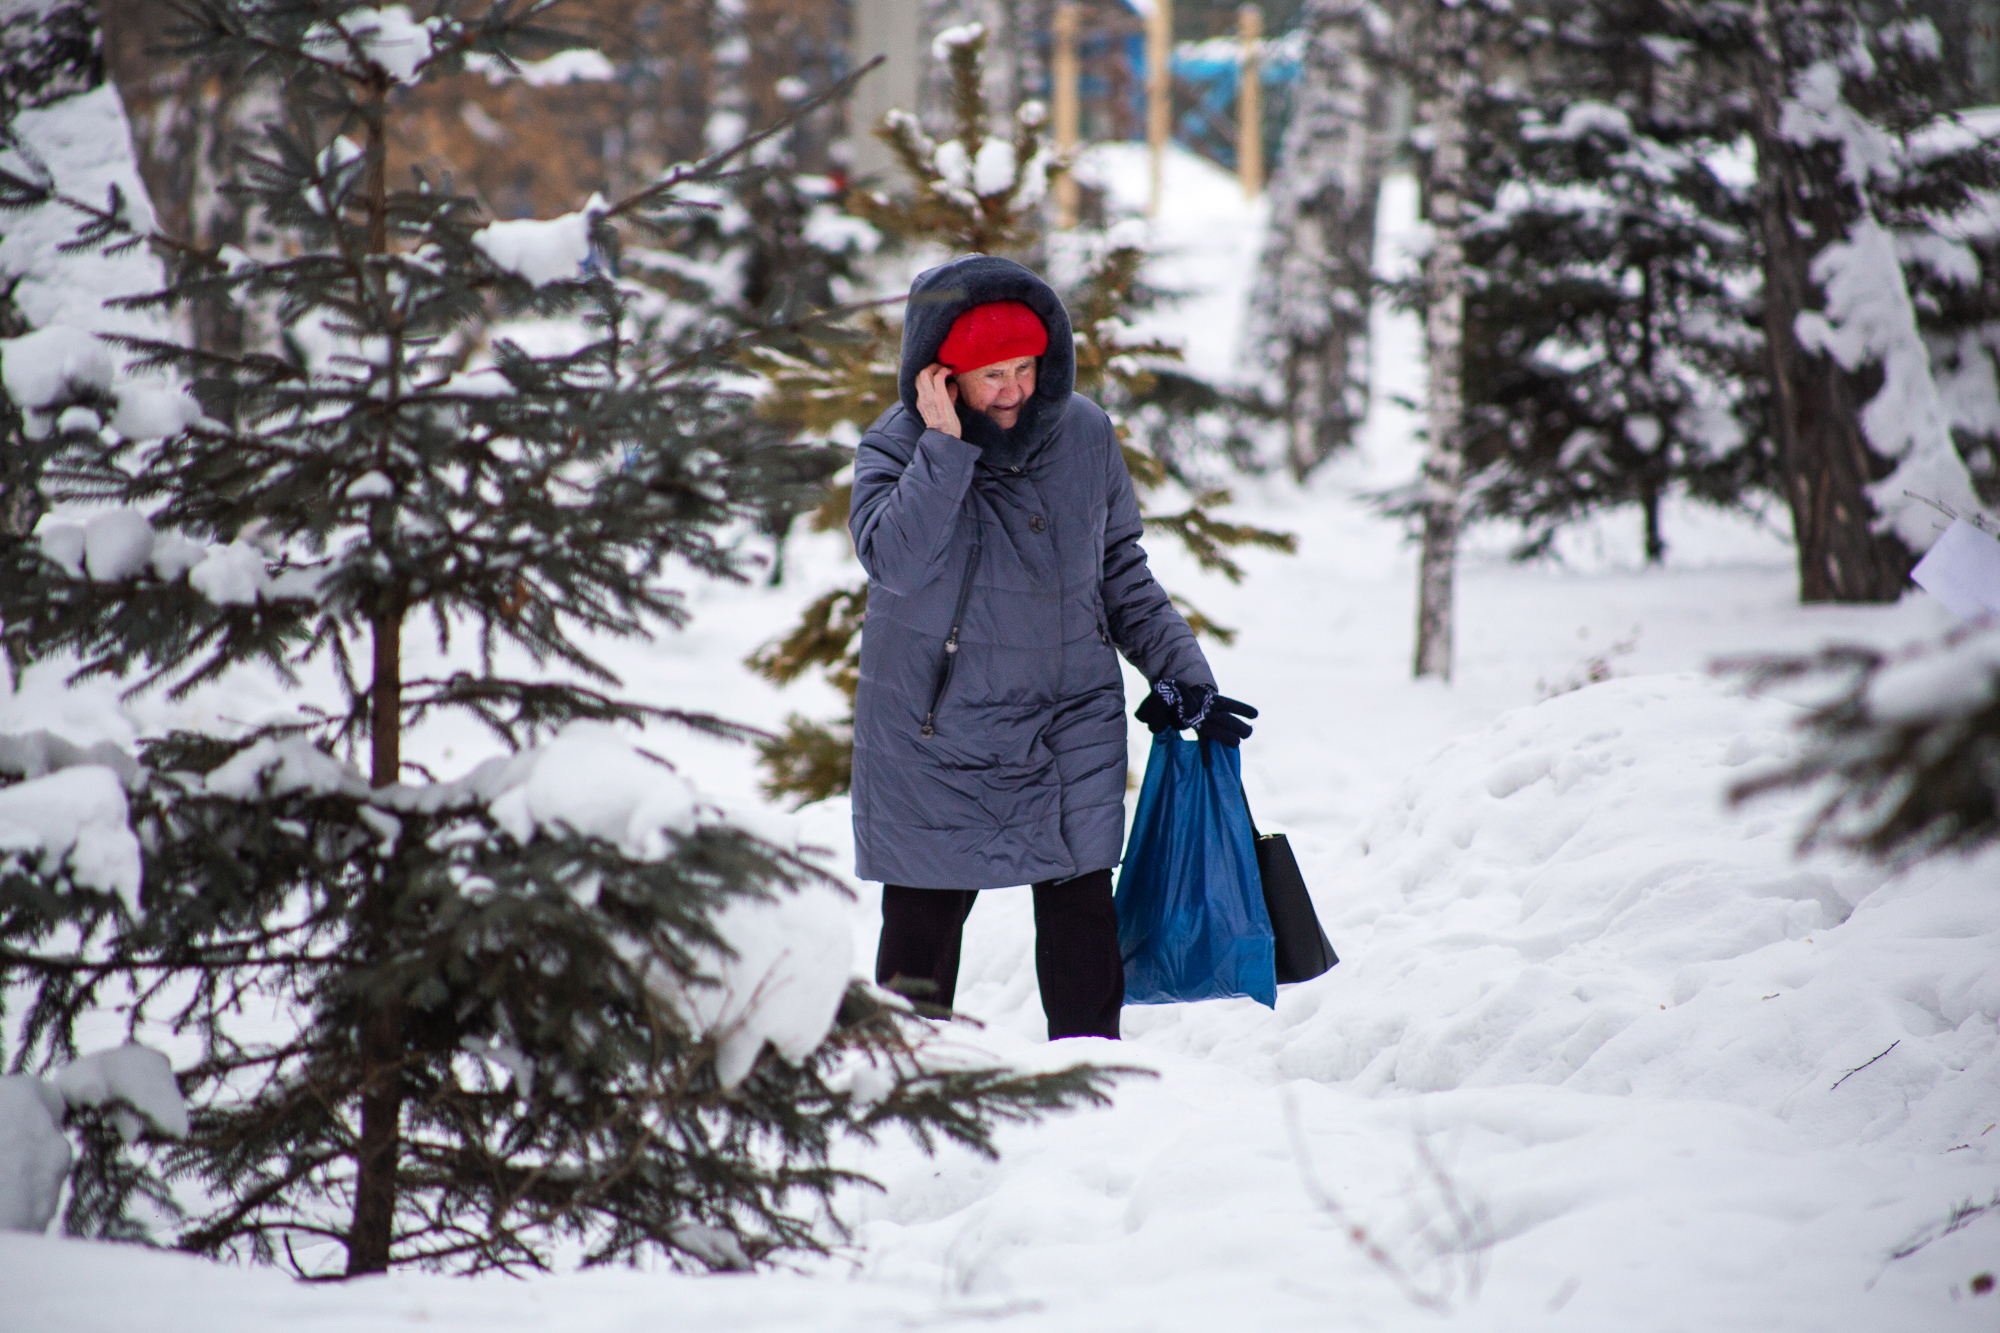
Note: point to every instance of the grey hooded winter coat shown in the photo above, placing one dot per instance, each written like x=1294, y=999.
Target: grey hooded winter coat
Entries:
x=1003, y=568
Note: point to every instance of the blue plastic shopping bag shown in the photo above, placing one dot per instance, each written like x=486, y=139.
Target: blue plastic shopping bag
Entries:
x=1191, y=918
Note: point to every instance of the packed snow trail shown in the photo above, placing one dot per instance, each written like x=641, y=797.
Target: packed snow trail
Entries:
x=1672, y=1076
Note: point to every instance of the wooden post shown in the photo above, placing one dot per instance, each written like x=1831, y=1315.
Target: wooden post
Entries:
x=1250, y=101
x=1067, y=109
x=1159, y=89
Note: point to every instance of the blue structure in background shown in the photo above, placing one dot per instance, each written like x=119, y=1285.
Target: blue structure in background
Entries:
x=1212, y=68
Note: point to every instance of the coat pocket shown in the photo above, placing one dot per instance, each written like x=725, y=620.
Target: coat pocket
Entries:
x=950, y=662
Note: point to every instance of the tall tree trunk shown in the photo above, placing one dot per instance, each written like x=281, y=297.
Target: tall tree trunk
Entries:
x=21, y=501
x=372, y=1230
x=1823, y=458
x=192, y=123
x=1659, y=460
x=1314, y=281
x=1656, y=545
x=1444, y=74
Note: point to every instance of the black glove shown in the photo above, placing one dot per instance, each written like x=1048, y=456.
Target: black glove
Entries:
x=1172, y=706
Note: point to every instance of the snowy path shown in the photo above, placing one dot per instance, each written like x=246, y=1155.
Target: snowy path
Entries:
x=1557, y=950
x=1613, y=1010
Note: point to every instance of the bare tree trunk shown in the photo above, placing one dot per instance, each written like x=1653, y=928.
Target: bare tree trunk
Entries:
x=1823, y=458
x=1445, y=77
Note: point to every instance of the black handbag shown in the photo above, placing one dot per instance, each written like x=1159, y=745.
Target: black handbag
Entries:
x=1303, y=950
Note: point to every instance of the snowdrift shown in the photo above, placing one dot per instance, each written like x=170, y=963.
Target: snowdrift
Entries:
x=1564, y=899
x=1632, y=1025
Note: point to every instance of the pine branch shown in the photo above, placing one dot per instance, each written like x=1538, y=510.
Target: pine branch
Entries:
x=1897, y=776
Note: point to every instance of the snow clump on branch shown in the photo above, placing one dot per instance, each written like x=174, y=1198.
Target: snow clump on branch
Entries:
x=588, y=781
x=136, y=1075
x=137, y=1083
x=965, y=34
x=121, y=544
x=53, y=371
x=34, y=1155
x=542, y=252
x=74, y=819
x=387, y=38
x=782, y=980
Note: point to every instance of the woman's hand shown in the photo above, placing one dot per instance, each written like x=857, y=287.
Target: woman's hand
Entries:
x=1174, y=706
x=935, y=395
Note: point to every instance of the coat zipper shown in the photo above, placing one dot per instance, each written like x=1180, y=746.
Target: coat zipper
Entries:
x=951, y=641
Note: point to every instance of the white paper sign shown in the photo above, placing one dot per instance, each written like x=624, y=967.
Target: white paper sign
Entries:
x=1962, y=570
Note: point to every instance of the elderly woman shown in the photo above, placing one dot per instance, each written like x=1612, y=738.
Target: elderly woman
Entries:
x=996, y=520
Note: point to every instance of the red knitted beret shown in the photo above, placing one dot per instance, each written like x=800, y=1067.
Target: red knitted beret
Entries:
x=995, y=331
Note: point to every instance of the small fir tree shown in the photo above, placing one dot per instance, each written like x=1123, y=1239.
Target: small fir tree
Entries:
x=510, y=1019
x=979, y=193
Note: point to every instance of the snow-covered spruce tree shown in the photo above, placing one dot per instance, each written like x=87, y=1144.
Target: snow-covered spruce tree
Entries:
x=77, y=1128
x=1609, y=357
x=1309, y=311
x=1856, y=162
x=50, y=53
x=547, y=1002
x=977, y=192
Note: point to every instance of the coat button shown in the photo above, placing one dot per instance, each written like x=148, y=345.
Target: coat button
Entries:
x=1036, y=523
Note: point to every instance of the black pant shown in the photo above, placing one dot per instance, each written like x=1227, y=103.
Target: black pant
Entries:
x=1076, y=949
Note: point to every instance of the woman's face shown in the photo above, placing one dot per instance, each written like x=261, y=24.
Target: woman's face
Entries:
x=999, y=390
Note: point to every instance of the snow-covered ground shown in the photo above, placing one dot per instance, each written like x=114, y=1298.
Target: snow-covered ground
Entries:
x=1586, y=1013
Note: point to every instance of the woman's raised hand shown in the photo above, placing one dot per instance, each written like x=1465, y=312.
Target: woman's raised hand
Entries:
x=935, y=395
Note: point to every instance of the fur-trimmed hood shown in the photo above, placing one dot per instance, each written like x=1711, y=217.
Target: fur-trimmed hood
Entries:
x=939, y=296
